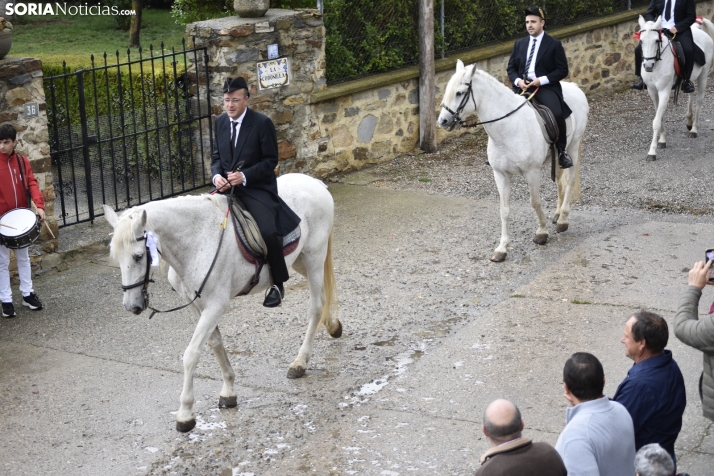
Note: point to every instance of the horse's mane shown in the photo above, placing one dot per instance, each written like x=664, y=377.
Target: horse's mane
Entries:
x=123, y=236
x=460, y=78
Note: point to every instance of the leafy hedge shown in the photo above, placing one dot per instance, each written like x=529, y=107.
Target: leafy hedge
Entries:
x=372, y=36
x=189, y=11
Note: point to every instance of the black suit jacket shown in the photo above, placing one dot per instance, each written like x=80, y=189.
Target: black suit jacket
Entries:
x=257, y=147
x=685, y=13
x=550, y=61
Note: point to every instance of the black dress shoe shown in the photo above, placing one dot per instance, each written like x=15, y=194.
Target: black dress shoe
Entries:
x=639, y=85
x=564, y=161
x=687, y=86
x=274, y=296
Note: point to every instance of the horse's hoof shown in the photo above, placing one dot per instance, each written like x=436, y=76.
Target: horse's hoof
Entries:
x=227, y=402
x=689, y=128
x=651, y=158
x=541, y=239
x=555, y=218
x=561, y=227
x=338, y=332
x=295, y=373
x=692, y=135
x=185, y=426
x=661, y=145
x=498, y=257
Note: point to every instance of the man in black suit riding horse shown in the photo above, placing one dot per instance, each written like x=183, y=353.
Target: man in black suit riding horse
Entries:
x=245, y=157
x=538, y=62
x=677, y=18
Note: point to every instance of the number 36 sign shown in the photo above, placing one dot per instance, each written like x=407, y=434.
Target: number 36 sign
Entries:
x=31, y=109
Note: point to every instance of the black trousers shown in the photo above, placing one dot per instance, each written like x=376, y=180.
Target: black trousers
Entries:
x=265, y=219
x=551, y=100
x=687, y=42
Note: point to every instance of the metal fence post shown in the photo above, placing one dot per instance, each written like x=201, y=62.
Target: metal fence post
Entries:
x=85, y=144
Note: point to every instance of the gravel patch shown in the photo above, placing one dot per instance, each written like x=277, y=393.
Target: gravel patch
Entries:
x=614, y=173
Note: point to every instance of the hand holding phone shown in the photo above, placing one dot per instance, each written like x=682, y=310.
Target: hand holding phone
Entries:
x=709, y=256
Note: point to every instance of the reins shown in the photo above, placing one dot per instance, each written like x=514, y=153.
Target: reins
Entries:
x=470, y=94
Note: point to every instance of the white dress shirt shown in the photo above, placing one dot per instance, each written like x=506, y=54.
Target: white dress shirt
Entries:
x=235, y=140
x=530, y=74
x=667, y=24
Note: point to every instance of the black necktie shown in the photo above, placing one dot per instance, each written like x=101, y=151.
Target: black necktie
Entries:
x=667, y=9
x=234, y=130
x=530, y=57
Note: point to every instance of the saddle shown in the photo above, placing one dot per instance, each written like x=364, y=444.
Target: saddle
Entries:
x=549, y=127
x=679, y=61
x=250, y=241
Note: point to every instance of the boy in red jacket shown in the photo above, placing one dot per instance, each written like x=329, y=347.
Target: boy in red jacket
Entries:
x=13, y=194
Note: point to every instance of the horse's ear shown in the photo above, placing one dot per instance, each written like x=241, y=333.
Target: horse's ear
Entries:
x=642, y=23
x=658, y=22
x=459, y=65
x=111, y=216
x=138, y=222
x=473, y=71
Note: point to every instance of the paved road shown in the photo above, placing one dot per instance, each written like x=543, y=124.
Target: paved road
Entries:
x=433, y=331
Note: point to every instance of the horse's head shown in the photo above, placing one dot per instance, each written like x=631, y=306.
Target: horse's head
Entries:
x=456, y=101
x=128, y=247
x=651, y=38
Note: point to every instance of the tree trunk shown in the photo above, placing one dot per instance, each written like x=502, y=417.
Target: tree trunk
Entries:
x=427, y=114
x=135, y=27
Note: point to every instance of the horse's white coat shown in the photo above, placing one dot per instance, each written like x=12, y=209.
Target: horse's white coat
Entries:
x=189, y=230
x=516, y=144
x=659, y=76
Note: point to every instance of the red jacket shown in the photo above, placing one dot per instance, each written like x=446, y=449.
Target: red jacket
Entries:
x=12, y=192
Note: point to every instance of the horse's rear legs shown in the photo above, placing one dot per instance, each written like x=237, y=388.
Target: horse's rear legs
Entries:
x=566, y=182
x=533, y=179
x=227, y=398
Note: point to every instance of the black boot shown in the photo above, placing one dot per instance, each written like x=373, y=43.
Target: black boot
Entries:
x=564, y=160
x=640, y=85
x=687, y=86
x=274, y=296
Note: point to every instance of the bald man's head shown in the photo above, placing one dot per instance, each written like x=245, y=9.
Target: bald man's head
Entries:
x=502, y=421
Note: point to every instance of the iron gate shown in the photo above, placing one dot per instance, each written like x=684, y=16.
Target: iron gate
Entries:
x=127, y=133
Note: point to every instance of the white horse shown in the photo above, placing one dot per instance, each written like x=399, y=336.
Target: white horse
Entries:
x=188, y=229
x=515, y=143
x=659, y=75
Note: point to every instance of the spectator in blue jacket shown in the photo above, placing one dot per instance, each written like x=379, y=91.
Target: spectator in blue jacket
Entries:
x=653, y=391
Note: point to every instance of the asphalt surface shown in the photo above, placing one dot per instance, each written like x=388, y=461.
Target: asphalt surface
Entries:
x=433, y=332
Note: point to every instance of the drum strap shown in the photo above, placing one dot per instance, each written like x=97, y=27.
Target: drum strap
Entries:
x=21, y=165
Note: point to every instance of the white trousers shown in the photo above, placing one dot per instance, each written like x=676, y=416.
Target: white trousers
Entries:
x=23, y=269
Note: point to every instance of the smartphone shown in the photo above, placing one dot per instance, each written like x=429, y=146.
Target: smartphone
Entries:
x=709, y=256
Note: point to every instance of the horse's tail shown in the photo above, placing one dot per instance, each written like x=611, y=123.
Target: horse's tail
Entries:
x=708, y=28
x=329, y=290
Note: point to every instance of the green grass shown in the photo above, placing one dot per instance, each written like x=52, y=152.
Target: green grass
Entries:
x=517, y=296
x=424, y=179
x=54, y=39
x=578, y=301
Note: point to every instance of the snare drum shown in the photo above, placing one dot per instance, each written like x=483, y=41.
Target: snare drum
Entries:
x=19, y=228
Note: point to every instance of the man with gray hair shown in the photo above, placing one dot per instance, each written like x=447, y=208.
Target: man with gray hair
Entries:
x=511, y=452
x=653, y=460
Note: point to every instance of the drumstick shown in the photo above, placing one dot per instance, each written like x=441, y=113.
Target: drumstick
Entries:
x=2, y=224
x=34, y=208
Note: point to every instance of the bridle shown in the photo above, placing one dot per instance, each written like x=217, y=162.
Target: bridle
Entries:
x=147, y=274
x=456, y=115
x=658, y=56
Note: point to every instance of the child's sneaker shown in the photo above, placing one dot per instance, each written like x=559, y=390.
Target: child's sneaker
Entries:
x=32, y=301
x=8, y=310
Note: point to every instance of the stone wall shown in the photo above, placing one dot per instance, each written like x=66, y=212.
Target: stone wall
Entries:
x=325, y=130
x=21, y=83
x=236, y=44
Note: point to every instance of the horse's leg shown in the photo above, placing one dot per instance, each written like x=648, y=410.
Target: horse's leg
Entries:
x=660, y=99
x=185, y=421
x=561, y=193
x=227, y=397
x=312, y=264
x=503, y=183
x=532, y=177
x=701, y=90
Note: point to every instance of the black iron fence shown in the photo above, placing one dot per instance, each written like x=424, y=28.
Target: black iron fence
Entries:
x=372, y=36
x=126, y=132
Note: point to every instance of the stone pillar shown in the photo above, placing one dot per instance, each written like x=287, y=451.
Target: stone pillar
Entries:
x=21, y=83
x=236, y=44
